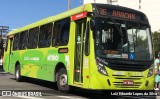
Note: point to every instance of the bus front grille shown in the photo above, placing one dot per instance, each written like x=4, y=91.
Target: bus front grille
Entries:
x=128, y=78
x=121, y=85
x=120, y=79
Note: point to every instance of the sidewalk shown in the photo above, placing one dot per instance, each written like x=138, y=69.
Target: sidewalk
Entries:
x=2, y=71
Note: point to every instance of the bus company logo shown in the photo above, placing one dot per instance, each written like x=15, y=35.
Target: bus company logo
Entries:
x=86, y=61
x=6, y=93
x=68, y=61
x=53, y=58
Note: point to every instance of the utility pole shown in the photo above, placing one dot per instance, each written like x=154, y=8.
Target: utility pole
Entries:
x=69, y=4
x=139, y=4
x=109, y=1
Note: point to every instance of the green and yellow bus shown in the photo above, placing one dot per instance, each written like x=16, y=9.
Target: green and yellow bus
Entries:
x=94, y=46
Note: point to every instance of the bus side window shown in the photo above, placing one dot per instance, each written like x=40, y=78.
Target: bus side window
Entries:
x=23, y=40
x=45, y=35
x=16, y=42
x=64, y=35
x=33, y=38
x=55, y=34
x=61, y=32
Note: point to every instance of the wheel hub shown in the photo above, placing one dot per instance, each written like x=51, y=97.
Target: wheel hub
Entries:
x=17, y=74
x=63, y=80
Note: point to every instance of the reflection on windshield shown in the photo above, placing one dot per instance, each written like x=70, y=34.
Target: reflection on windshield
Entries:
x=122, y=39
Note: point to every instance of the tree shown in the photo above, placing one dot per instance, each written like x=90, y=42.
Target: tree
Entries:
x=156, y=41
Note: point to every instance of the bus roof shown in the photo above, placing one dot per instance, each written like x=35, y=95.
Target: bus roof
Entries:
x=71, y=12
x=80, y=9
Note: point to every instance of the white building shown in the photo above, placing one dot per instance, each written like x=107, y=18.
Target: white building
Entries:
x=99, y=1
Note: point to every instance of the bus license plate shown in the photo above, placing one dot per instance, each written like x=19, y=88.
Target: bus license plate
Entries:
x=127, y=82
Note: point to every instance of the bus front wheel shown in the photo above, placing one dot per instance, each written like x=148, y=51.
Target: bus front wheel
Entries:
x=62, y=81
x=18, y=74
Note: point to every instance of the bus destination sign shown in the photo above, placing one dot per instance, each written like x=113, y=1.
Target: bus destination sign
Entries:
x=116, y=13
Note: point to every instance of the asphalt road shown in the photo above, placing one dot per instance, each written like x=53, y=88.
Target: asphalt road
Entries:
x=39, y=89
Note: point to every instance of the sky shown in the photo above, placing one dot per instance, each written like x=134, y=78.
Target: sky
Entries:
x=18, y=13
x=150, y=7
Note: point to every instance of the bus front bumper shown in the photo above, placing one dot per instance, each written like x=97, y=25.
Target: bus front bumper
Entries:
x=101, y=82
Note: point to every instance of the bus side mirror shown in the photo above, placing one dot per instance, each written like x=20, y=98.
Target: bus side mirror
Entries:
x=92, y=24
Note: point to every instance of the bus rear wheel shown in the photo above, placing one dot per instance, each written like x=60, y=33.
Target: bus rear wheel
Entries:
x=62, y=81
x=18, y=74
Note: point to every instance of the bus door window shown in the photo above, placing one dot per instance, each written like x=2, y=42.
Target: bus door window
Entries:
x=79, y=50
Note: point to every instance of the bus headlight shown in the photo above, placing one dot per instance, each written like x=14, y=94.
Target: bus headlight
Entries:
x=151, y=71
x=101, y=69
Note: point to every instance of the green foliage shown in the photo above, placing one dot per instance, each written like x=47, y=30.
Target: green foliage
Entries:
x=141, y=41
x=156, y=41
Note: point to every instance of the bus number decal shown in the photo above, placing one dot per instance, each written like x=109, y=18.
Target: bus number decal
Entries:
x=68, y=61
x=86, y=63
x=102, y=11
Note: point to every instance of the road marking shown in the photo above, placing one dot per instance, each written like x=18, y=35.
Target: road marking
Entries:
x=27, y=97
x=68, y=97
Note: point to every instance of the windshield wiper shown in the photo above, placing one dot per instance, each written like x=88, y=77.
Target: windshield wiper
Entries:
x=137, y=28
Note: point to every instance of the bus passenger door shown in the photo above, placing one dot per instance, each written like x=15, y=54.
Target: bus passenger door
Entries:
x=7, y=54
x=79, y=55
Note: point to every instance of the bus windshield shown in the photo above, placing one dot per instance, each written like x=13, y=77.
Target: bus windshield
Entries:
x=122, y=39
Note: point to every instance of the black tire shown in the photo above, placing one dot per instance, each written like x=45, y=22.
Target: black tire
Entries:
x=18, y=76
x=62, y=81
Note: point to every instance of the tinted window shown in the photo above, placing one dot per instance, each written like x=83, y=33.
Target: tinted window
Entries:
x=45, y=35
x=23, y=40
x=16, y=42
x=33, y=38
x=61, y=32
